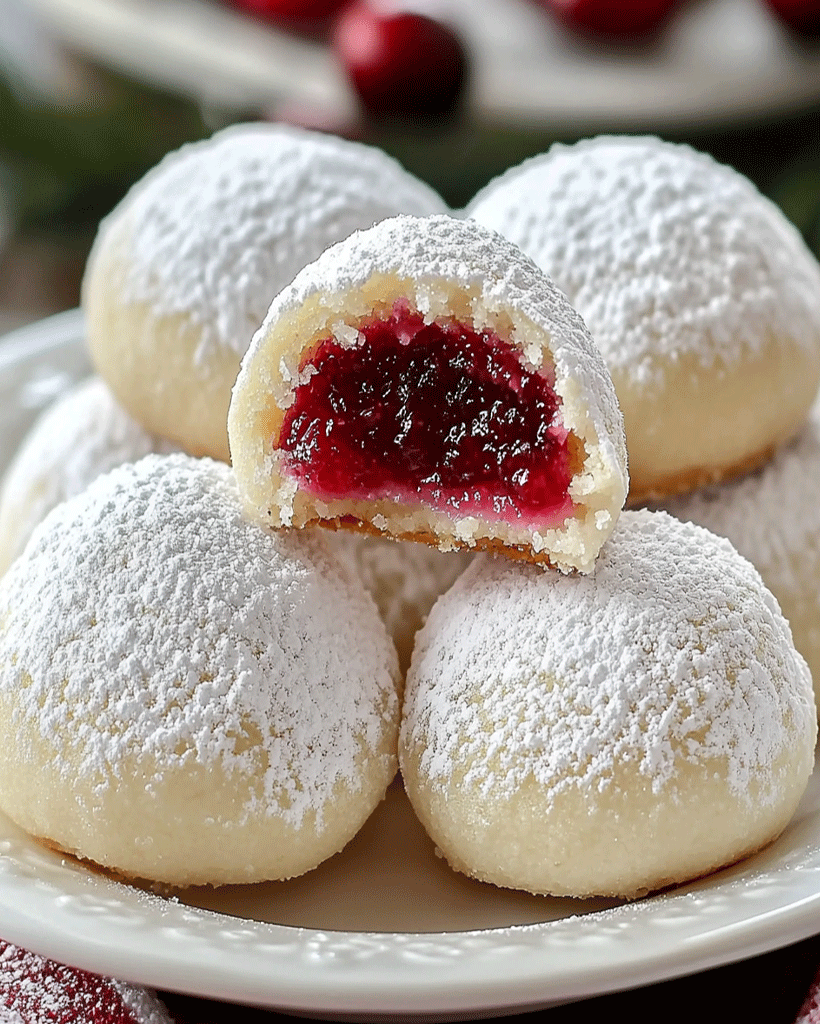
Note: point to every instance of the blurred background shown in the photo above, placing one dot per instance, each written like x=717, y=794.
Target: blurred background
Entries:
x=94, y=92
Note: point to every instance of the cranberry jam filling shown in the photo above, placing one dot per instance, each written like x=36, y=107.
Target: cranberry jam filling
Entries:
x=437, y=413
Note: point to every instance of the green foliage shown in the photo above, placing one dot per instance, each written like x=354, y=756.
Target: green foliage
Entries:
x=67, y=166
x=64, y=167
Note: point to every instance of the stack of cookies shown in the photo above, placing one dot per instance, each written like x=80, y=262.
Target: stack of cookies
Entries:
x=705, y=303
x=382, y=522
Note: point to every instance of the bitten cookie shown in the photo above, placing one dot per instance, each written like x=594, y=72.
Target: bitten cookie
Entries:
x=773, y=518
x=424, y=380
x=185, y=697
x=700, y=294
x=183, y=270
x=609, y=734
x=79, y=437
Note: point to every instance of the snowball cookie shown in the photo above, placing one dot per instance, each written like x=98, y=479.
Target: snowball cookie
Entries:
x=184, y=268
x=699, y=292
x=608, y=734
x=77, y=438
x=403, y=577
x=773, y=518
x=424, y=380
x=185, y=697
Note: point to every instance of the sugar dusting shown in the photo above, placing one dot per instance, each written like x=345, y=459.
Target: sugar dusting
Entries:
x=404, y=577
x=661, y=249
x=80, y=436
x=670, y=652
x=772, y=516
x=147, y=618
x=35, y=990
x=218, y=227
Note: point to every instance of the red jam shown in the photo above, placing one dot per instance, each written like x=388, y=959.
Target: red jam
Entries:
x=433, y=412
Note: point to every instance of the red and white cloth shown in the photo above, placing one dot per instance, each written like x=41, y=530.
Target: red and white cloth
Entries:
x=34, y=990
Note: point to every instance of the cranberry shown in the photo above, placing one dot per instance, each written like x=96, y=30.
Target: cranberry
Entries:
x=436, y=413
x=799, y=15
x=622, y=19
x=297, y=11
x=401, y=64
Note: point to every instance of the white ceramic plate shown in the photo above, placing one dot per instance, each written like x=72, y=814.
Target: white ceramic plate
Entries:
x=720, y=59
x=384, y=928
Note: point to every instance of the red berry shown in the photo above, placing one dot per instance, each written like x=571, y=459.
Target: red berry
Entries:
x=623, y=19
x=301, y=11
x=401, y=64
x=800, y=15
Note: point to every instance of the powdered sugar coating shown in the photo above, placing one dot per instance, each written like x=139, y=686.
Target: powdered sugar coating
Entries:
x=220, y=226
x=405, y=579
x=35, y=990
x=662, y=249
x=772, y=517
x=226, y=695
x=447, y=269
x=699, y=292
x=656, y=617
x=183, y=270
x=79, y=437
x=609, y=701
